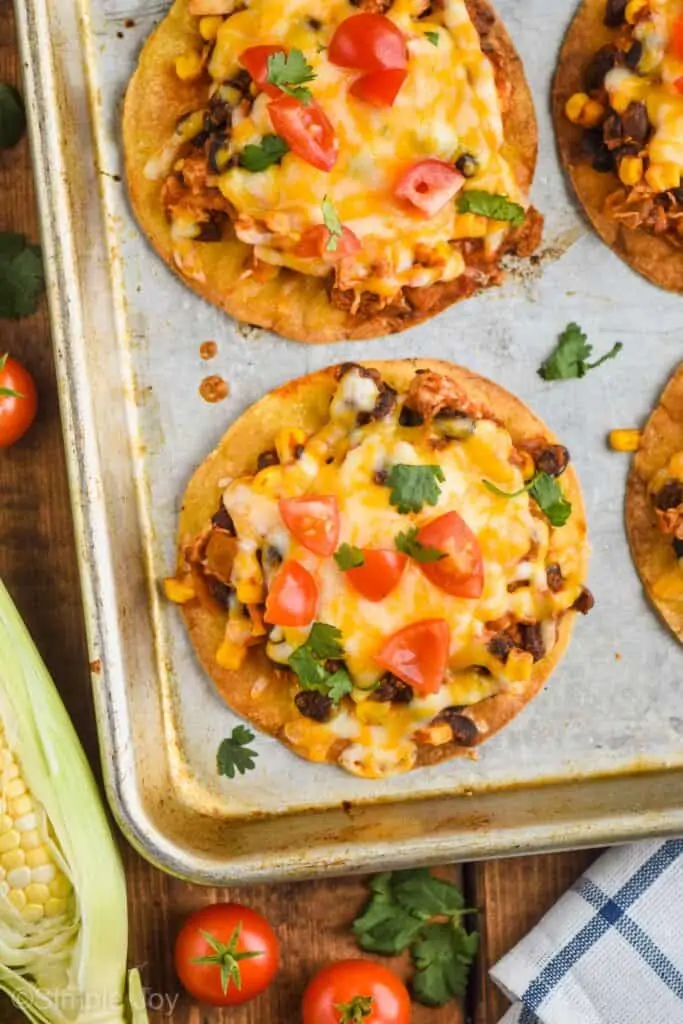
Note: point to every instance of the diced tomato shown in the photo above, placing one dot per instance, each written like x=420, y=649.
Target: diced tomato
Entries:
x=368, y=42
x=461, y=572
x=379, y=574
x=678, y=85
x=293, y=596
x=306, y=130
x=255, y=61
x=677, y=38
x=313, y=521
x=379, y=88
x=313, y=244
x=418, y=654
x=429, y=185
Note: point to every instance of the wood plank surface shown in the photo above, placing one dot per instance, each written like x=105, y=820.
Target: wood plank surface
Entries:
x=37, y=563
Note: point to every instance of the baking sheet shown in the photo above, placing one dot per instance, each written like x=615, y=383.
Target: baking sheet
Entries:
x=127, y=336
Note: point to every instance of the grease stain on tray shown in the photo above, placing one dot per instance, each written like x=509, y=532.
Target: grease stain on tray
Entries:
x=208, y=349
x=214, y=388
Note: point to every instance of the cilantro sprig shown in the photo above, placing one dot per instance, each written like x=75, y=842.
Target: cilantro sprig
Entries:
x=308, y=661
x=413, y=487
x=290, y=72
x=21, y=276
x=270, y=150
x=414, y=909
x=349, y=557
x=332, y=223
x=546, y=492
x=487, y=204
x=409, y=545
x=569, y=360
x=234, y=754
x=433, y=38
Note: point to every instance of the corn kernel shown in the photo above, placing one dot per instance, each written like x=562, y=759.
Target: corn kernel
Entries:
x=624, y=440
x=38, y=858
x=10, y=771
x=37, y=893
x=21, y=807
x=630, y=170
x=61, y=887
x=669, y=587
x=43, y=874
x=19, y=878
x=249, y=591
x=18, y=900
x=209, y=26
x=31, y=840
x=372, y=712
x=14, y=789
x=230, y=656
x=13, y=860
x=33, y=912
x=634, y=8
x=662, y=177
x=10, y=841
x=55, y=908
x=179, y=591
x=268, y=482
x=519, y=666
x=189, y=66
x=471, y=225
x=581, y=109
x=286, y=443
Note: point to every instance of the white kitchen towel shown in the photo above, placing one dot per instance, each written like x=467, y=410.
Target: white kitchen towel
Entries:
x=610, y=951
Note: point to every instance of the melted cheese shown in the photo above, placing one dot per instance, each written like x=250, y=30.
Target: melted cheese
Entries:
x=516, y=546
x=448, y=105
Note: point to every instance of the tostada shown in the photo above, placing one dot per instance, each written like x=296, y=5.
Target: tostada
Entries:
x=330, y=169
x=618, y=108
x=380, y=564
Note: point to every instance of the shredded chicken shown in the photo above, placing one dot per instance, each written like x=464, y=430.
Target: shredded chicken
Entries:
x=430, y=393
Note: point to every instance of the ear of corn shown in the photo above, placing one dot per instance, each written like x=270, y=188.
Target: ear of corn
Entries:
x=63, y=915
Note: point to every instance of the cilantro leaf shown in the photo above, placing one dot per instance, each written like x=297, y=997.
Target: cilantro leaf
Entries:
x=569, y=358
x=289, y=72
x=384, y=926
x=333, y=225
x=349, y=557
x=308, y=662
x=486, y=204
x=412, y=487
x=12, y=116
x=21, y=276
x=425, y=896
x=443, y=955
x=259, y=158
x=547, y=493
x=433, y=38
x=234, y=754
x=411, y=546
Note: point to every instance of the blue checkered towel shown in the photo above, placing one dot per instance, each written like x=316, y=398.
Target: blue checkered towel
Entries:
x=610, y=951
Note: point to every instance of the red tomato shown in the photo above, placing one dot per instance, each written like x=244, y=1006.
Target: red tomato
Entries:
x=313, y=244
x=677, y=38
x=306, y=131
x=18, y=401
x=379, y=575
x=418, y=654
x=313, y=521
x=429, y=185
x=293, y=596
x=368, y=42
x=379, y=88
x=461, y=572
x=236, y=939
x=255, y=61
x=356, y=990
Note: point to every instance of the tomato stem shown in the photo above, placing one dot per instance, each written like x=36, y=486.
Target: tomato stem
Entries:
x=355, y=1012
x=227, y=958
x=9, y=393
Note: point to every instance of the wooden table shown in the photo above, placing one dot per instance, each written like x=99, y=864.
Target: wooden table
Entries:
x=38, y=565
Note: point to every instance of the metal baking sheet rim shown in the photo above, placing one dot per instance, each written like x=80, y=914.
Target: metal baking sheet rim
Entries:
x=639, y=816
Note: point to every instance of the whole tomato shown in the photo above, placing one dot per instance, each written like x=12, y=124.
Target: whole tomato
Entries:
x=356, y=992
x=226, y=954
x=18, y=401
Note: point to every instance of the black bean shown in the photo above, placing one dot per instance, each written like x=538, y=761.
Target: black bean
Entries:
x=636, y=124
x=391, y=690
x=465, y=732
x=210, y=231
x=222, y=520
x=552, y=460
x=615, y=14
x=555, y=578
x=601, y=64
x=380, y=477
x=585, y=602
x=220, y=592
x=500, y=646
x=199, y=140
x=315, y=24
x=313, y=704
x=670, y=496
x=298, y=451
x=386, y=401
x=410, y=418
x=265, y=459
x=468, y=165
x=678, y=547
x=634, y=54
x=333, y=665
x=603, y=161
x=531, y=639
x=219, y=153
